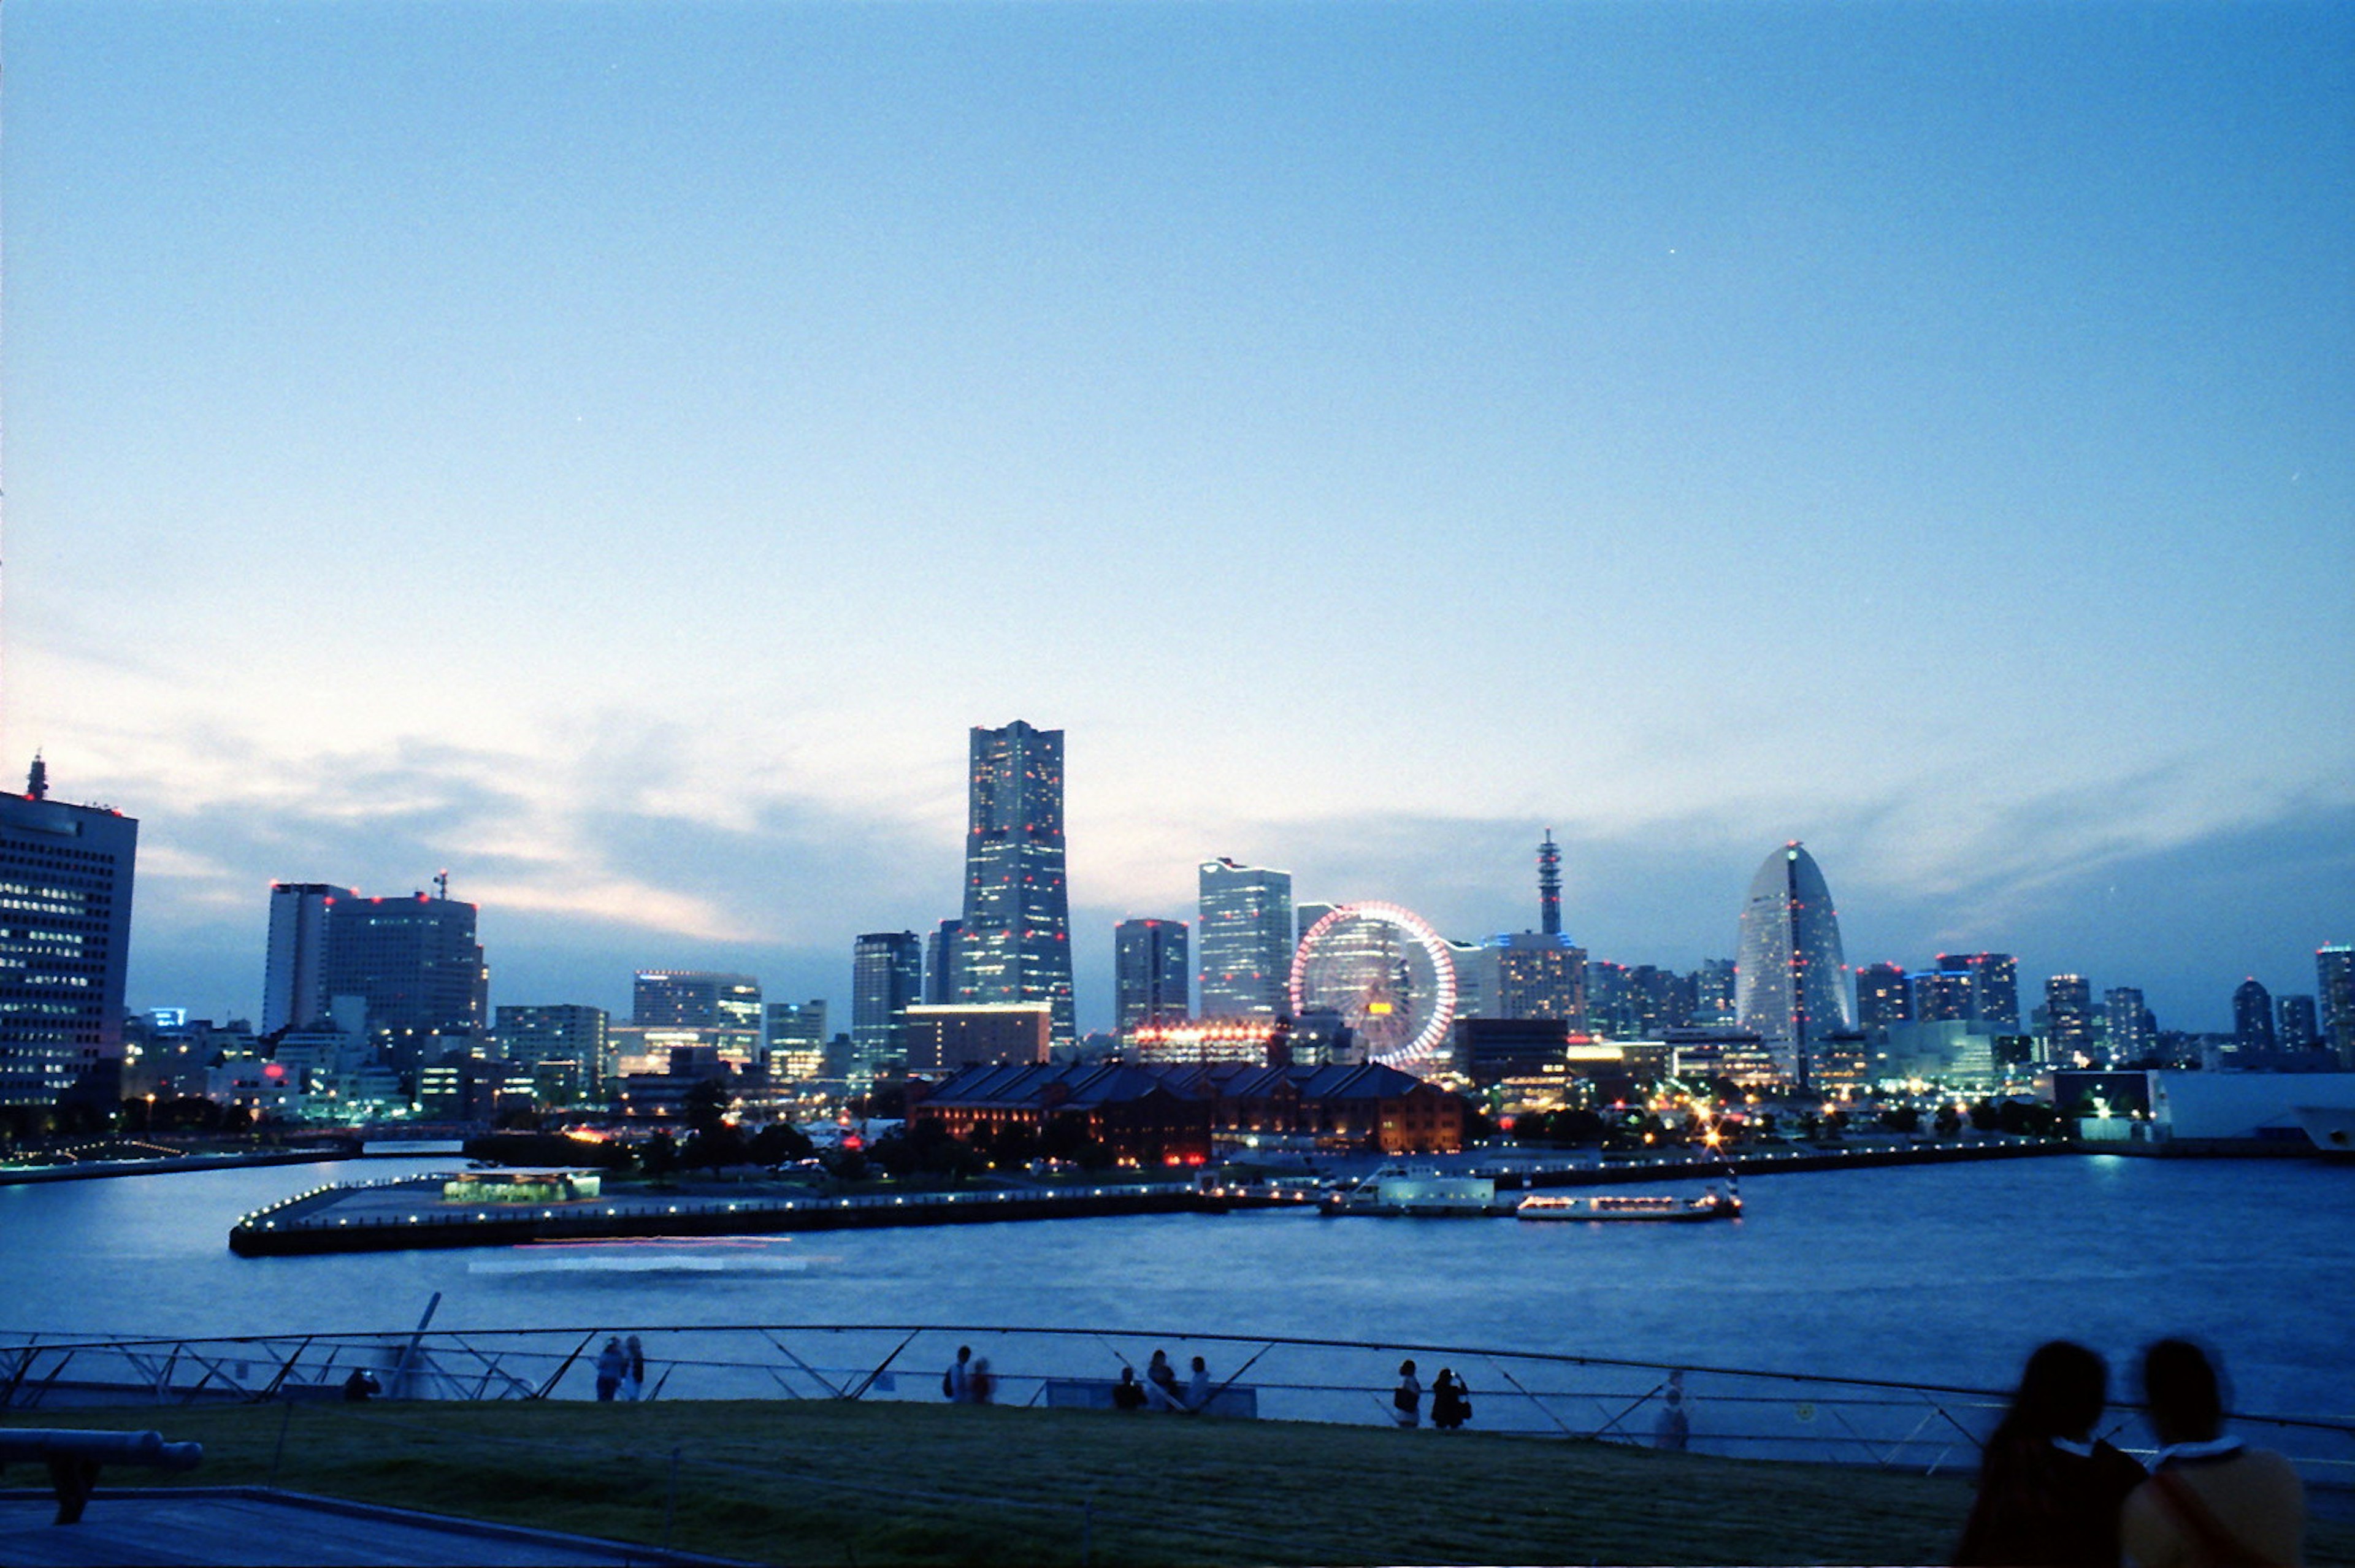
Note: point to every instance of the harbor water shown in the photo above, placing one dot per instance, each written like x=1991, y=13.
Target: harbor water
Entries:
x=1945, y=1274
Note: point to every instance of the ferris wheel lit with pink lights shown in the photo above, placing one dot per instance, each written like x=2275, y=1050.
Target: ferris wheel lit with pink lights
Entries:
x=1388, y=974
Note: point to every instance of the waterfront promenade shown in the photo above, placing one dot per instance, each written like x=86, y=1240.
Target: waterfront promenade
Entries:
x=412, y=1213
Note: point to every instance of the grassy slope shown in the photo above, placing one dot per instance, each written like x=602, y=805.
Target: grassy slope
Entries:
x=853, y=1484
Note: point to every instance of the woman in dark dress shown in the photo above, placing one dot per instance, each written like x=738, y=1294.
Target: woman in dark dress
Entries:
x=2050, y=1491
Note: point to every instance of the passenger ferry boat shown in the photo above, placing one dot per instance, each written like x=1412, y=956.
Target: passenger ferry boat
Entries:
x=1397, y=1189
x=1722, y=1203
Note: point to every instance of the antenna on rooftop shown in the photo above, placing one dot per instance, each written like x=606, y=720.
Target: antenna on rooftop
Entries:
x=442, y=884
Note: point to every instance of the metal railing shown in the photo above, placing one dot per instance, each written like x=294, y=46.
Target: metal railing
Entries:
x=1920, y=1427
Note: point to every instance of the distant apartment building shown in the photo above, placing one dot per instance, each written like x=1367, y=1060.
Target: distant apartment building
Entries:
x=1884, y=996
x=2253, y=1019
x=2299, y=1028
x=65, y=947
x=2068, y=1019
x=1993, y=986
x=2129, y=1032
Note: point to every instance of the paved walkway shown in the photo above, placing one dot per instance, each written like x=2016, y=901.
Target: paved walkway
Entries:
x=210, y=1526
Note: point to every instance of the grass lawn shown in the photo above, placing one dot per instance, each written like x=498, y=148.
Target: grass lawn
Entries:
x=835, y=1483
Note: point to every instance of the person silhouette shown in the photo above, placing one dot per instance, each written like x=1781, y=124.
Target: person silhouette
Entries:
x=2049, y=1489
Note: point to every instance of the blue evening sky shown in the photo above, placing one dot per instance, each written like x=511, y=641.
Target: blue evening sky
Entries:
x=614, y=451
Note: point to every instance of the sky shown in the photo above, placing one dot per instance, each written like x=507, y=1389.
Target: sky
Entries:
x=615, y=452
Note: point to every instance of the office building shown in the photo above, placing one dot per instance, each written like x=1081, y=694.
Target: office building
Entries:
x=970, y=1034
x=1610, y=1011
x=566, y=1048
x=1305, y=918
x=726, y=1007
x=2334, y=973
x=1883, y=996
x=2068, y=1019
x=1016, y=936
x=415, y=963
x=2252, y=1017
x=796, y=1040
x=65, y=947
x=1150, y=973
x=941, y=946
x=1246, y=940
x=291, y=993
x=887, y=974
x=1790, y=990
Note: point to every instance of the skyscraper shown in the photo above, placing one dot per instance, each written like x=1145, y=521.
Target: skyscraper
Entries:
x=1714, y=983
x=2126, y=1025
x=1789, y=986
x=942, y=944
x=887, y=975
x=2298, y=1029
x=299, y=912
x=414, y=960
x=1882, y=995
x=2252, y=1016
x=1994, y=984
x=1016, y=936
x=2068, y=1018
x=1149, y=974
x=796, y=1038
x=2334, y=973
x=65, y=946
x=1246, y=941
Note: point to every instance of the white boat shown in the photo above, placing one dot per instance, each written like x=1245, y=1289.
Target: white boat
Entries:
x=1717, y=1204
x=1398, y=1190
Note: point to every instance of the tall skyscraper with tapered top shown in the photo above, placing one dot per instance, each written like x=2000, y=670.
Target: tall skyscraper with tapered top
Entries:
x=1790, y=986
x=1017, y=929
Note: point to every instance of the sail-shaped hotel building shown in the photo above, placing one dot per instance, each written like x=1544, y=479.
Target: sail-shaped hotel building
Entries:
x=1790, y=986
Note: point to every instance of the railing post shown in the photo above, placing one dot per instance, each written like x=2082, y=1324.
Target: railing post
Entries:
x=670, y=1500
x=285, y=1419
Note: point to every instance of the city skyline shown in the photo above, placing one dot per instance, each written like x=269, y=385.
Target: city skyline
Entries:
x=612, y=453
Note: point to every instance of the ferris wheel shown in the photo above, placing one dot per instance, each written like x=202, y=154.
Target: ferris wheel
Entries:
x=1386, y=973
